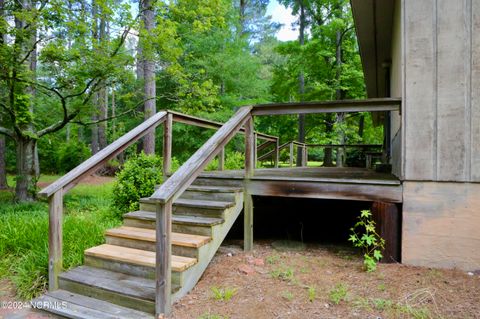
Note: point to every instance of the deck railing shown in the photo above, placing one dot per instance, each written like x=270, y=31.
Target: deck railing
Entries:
x=179, y=181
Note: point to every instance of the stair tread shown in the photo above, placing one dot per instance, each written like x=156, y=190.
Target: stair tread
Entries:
x=215, y=189
x=200, y=203
x=137, y=256
x=179, y=239
x=72, y=305
x=179, y=219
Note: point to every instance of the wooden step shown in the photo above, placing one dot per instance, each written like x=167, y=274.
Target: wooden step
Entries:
x=121, y=289
x=71, y=305
x=137, y=256
x=192, y=207
x=197, y=225
x=216, y=189
x=176, y=219
x=178, y=239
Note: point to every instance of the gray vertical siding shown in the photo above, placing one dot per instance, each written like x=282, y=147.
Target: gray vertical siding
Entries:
x=442, y=94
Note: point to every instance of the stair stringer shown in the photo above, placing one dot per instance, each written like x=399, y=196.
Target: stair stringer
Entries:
x=208, y=251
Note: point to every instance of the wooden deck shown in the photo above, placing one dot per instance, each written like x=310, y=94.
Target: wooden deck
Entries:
x=313, y=182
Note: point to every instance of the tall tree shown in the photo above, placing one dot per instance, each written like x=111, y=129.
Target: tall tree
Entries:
x=69, y=77
x=149, y=88
x=3, y=149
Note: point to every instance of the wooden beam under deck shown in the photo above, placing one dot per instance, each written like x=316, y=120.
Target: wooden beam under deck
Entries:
x=323, y=183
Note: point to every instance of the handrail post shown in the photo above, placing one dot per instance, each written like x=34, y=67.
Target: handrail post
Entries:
x=163, y=262
x=167, y=145
x=221, y=159
x=55, y=238
x=255, y=149
x=247, y=197
x=291, y=154
x=305, y=155
x=276, y=154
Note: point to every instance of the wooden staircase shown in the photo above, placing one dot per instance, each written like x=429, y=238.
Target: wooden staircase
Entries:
x=117, y=279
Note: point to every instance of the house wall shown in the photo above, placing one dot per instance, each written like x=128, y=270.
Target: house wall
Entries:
x=441, y=101
x=441, y=133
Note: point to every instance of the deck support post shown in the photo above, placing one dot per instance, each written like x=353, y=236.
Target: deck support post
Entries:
x=221, y=159
x=387, y=217
x=163, y=256
x=167, y=145
x=250, y=146
x=255, y=150
x=55, y=238
x=305, y=155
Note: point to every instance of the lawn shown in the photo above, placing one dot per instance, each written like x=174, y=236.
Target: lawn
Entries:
x=24, y=233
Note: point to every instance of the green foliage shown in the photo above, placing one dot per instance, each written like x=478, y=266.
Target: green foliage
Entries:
x=283, y=273
x=339, y=293
x=71, y=154
x=288, y=295
x=24, y=236
x=137, y=179
x=209, y=315
x=312, y=293
x=223, y=294
x=363, y=235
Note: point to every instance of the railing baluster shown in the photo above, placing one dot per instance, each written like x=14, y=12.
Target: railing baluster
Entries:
x=163, y=248
x=221, y=159
x=277, y=152
x=250, y=146
x=55, y=238
x=167, y=145
x=291, y=154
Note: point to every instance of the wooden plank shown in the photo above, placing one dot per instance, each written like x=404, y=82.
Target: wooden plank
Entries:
x=419, y=105
x=475, y=94
x=384, y=193
x=291, y=154
x=167, y=145
x=368, y=105
x=177, y=219
x=55, y=238
x=137, y=256
x=145, y=234
x=188, y=172
x=163, y=260
x=387, y=218
x=277, y=153
x=453, y=106
x=96, y=161
x=81, y=307
x=255, y=151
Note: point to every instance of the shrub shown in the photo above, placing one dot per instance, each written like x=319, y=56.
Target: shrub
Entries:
x=364, y=236
x=70, y=154
x=137, y=179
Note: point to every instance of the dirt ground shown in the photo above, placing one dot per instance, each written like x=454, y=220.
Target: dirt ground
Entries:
x=318, y=282
x=325, y=282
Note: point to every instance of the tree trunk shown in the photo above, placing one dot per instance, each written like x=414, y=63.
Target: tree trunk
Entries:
x=328, y=153
x=25, y=189
x=149, y=77
x=94, y=145
x=341, y=156
x=301, y=88
x=102, y=93
x=3, y=167
x=361, y=126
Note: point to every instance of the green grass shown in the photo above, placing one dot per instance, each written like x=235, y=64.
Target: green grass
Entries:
x=24, y=234
x=339, y=293
x=223, y=294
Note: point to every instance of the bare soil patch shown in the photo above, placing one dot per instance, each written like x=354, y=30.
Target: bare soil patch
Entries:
x=325, y=282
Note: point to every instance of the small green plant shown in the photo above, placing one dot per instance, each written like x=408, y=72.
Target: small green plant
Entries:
x=381, y=304
x=137, y=179
x=338, y=293
x=285, y=274
x=312, y=293
x=287, y=295
x=273, y=259
x=223, y=294
x=382, y=287
x=364, y=236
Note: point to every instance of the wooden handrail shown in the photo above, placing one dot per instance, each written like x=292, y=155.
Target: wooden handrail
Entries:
x=93, y=163
x=186, y=174
x=197, y=121
x=367, y=105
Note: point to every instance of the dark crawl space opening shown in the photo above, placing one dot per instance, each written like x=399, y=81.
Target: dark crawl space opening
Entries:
x=319, y=221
